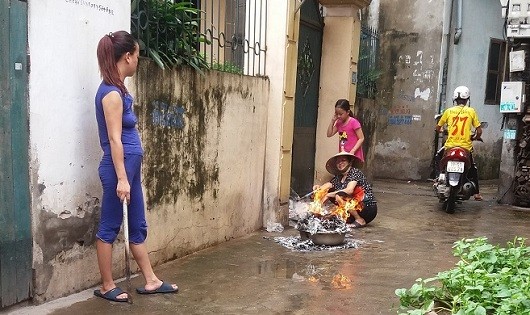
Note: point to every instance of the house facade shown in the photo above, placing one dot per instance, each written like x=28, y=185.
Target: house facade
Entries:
x=219, y=147
x=428, y=48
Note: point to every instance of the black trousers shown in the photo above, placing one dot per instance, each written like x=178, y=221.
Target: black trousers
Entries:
x=368, y=214
x=472, y=174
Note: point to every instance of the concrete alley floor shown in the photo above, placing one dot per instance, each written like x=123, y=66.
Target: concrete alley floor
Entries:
x=410, y=238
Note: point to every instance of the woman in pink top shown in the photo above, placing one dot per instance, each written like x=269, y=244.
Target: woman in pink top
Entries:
x=351, y=135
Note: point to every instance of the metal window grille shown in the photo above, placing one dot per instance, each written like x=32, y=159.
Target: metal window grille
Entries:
x=368, y=73
x=234, y=33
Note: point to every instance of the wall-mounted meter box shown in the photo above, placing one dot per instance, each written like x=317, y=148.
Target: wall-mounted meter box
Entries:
x=518, y=14
x=517, y=60
x=512, y=97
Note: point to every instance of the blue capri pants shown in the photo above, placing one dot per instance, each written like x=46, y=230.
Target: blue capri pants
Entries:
x=111, y=206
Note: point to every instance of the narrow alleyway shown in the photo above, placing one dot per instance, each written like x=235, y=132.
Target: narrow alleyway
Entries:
x=410, y=238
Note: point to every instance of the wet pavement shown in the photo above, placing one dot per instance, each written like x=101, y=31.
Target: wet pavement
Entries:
x=410, y=238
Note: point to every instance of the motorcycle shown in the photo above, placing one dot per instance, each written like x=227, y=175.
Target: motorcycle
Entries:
x=452, y=184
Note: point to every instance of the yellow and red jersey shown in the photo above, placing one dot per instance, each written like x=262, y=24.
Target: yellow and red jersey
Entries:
x=459, y=120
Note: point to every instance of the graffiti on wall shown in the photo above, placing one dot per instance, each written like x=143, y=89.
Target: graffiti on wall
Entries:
x=166, y=115
x=422, y=71
x=419, y=67
x=92, y=5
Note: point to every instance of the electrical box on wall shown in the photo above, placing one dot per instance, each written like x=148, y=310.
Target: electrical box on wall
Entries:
x=517, y=62
x=512, y=97
x=518, y=14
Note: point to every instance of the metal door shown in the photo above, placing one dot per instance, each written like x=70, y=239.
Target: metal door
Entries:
x=306, y=97
x=15, y=226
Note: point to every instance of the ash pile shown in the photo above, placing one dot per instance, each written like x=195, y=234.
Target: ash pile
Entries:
x=315, y=223
x=297, y=244
x=319, y=231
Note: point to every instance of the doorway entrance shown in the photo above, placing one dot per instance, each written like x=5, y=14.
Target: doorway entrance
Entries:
x=306, y=97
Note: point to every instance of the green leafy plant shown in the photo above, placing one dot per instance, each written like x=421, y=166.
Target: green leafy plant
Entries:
x=227, y=66
x=168, y=32
x=487, y=280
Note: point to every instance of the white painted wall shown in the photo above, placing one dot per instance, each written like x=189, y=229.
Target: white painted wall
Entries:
x=63, y=36
x=276, y=52
x=65, y=150
x=64, y=145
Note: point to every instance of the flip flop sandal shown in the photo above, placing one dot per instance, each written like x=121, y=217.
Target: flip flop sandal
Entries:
x=112, y=295
x=164, y=288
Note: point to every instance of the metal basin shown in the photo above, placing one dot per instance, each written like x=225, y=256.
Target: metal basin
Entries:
x=304, y=235
x=329, y=239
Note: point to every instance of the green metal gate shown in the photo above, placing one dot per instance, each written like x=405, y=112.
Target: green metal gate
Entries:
x=306, y=97
x=15, y=224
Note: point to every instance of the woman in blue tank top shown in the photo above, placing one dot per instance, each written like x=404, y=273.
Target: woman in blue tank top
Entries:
x=120, y=167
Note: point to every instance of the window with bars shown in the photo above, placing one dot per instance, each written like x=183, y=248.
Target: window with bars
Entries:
x=224, y=35
x=495, y=72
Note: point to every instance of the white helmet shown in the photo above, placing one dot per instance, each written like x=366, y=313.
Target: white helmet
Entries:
x=461, y=92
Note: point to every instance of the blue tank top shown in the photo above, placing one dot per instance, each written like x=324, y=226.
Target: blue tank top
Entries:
x=129, y=135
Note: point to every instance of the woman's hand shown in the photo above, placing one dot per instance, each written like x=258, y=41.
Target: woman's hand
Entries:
x=316, y=187
x=334, y=117
x=123, y=190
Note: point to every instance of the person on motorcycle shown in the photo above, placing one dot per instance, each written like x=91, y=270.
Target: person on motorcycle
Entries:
x=460, y=119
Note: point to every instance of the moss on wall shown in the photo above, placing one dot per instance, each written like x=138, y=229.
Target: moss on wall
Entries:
x=175, y=114
x=489, y=161
x=180, y=115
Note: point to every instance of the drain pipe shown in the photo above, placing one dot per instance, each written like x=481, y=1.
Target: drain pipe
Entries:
x=444, y=64
x=458, y=29
x=444, y=53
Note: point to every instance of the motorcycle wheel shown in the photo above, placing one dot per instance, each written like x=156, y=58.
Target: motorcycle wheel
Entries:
x=449, y=204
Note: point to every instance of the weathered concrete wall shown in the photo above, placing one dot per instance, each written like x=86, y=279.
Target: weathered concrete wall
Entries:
x=203, y=137
x=410, y=33
x=367, y=113
x=481, y=21
x=203, y=176
x=204, y=156
x=64, y=146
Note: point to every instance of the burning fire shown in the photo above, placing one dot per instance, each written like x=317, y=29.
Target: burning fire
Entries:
x=340, y=281
x=344, y=207
x=313, y=279
x=315, y=206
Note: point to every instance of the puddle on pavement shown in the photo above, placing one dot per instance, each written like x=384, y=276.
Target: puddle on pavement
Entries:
x=297, y=244
x=325, y=277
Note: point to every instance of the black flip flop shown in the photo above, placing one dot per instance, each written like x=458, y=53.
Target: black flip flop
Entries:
x=164, y=288
x=112, y=295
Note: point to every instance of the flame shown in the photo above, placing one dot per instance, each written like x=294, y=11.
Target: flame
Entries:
x=316, y=205
x=345, y=205
x=312, y=279
x=340, y=281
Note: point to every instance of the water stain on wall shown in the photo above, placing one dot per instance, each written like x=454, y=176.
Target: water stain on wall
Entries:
x=488, y=163
x=182, y=160
x=57, y=234
x=393, y=44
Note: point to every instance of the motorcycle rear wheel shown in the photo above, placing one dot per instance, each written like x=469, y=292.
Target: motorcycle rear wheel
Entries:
x=449, y=204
